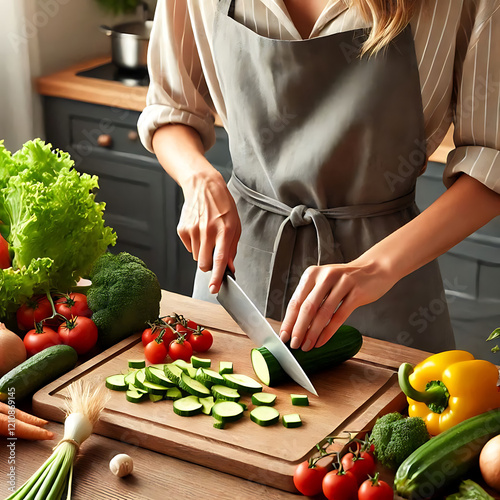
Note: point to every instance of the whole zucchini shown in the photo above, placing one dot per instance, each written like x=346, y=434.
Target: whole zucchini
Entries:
x=346, y=342
x=446, y=457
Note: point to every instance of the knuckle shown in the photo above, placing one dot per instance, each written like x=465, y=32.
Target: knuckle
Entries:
x=308, y=307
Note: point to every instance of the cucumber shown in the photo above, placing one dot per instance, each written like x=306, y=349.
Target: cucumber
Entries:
x=136, y=363
x=37, y=371
x=207, y=376
x=208, y=404
x=219, y=425
x=446, y=457
x=173, y=372
x=155, y=397
x=225, y=367
x=242, y=383
x=186, y=367
x=117, y=383
x=135, y=396
x=225, y=393
x=155, y=388
x=130, y=377
x=227, y=411
x=200, y=362
x=132, y=387
x=346, y=342
x=264, y=415
x=263, y=399
x=157, y=376
x=291, y=420
x=194, y=387
x=299, y=399
x=188, y=406
x=140, y=378
x=173, y=393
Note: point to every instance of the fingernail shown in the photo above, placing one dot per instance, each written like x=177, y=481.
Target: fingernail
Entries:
x=295, y=343
x=307, y=345
x=212, y=289
x=283, y=335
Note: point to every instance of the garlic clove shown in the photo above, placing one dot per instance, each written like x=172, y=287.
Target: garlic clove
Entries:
x=121, y=465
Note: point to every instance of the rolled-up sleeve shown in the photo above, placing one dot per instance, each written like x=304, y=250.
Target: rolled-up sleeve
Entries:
x=177, y=92
x=477, y=97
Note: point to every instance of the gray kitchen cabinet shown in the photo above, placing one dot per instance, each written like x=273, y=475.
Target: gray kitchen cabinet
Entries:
x=142, y=202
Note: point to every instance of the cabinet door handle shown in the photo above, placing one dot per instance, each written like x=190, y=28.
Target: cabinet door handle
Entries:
x=105, y=141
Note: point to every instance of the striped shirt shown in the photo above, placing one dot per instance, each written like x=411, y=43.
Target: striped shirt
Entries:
x=457, y=45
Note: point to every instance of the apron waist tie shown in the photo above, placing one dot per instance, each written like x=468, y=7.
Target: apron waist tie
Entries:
x=301, y=215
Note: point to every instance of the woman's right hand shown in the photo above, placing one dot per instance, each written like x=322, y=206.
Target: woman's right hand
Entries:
x=209, y=225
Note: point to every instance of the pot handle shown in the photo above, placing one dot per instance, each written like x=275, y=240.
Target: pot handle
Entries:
x=106, y=30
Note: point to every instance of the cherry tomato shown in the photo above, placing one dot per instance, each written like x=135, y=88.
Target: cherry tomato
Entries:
x=180, y=349
x=39, y=338
x=361, y=465
x=181, y=329
x=73, y=304
x=33, y=311
x=340, y=485
x=168, y=335
x=308, y=480
x=375, y=489
x=156, y=352
x=201, y=340
x=4, y=254
x=191, y=324
x=79, y=332
x=149, y=334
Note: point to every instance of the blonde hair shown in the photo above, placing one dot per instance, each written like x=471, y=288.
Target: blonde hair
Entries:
x=387, y=18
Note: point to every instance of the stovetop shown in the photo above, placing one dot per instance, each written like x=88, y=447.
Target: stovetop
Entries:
x=110, y=72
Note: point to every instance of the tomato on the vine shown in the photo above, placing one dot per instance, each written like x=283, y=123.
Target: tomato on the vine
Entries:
x=180, y=349
x=360, y=464
x=156, y=352
x=79, y=332
x=149, y=334
x=308, y=479
x=181, y=329
x=201, y=340
x=191, y=324
x=375, y=489
x=4, y=254
x=35, y=310
x=340, y=485
x=73, y=304
x=39, y=338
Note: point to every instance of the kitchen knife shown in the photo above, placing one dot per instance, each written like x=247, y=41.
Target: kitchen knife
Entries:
x=236, y=302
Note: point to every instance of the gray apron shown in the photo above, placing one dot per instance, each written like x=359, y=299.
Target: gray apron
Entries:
x=326, y=149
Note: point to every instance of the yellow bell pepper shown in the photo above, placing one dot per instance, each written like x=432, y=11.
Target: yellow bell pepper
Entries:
x=449, y=387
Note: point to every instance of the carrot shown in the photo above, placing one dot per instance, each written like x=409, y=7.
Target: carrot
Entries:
x=22, y=415
x=22, y=430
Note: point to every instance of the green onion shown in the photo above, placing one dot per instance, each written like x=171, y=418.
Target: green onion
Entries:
x=53, y=480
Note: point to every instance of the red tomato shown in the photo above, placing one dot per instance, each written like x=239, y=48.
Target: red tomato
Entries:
x=340, y=486
x=191, y=324
x=74, y=304
x=156, y=352
x=201, y=340
x=308, y=480
x=361, y=465
x=168, y=335
x=180, y=349
x=4, y=254
x=39, y=338
x=149, y=334
x=374, y=489
x=34, y=311
x=181, y=329
x=79, y=332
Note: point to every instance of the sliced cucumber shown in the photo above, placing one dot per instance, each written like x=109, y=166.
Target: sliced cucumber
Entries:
x=135, y=396
x=264, y=415
x=116, y=383
x=242, y=383
x=200, y=362
x=160, y=366
x=173, y=372
x=225, y=367
x=227, y=411
x=208, y=404
x=225, y=393
x=155, y=388
x=291, y=420
x=158, y=376
x=188, y=406
x=173, y=393
x=194, y=387
x=263, y=399
x=186, y=367
x=219, y=425
x=207, y=376
x=132, y=387
x=137, y=363
x=130, y=377
x=300, y=399
x=155, y=397
x=140, y=378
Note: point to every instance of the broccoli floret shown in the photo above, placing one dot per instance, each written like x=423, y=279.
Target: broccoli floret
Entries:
x=124, y=296
x=395, y=438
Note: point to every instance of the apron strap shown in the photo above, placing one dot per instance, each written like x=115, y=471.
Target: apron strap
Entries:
x=328, y=250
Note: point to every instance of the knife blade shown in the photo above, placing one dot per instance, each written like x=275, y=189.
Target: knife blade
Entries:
x=239, y=306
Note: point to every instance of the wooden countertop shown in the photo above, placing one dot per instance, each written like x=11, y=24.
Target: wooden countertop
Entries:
x=66, y=84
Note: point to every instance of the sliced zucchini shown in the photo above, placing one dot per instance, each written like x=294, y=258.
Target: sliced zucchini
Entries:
x=263, y=399
x=225, y=393
x=242, y=383
x=207, y=376
x=291, y=420
x=225, y=367
x=300, y=399
x=173, y=393
x=137, y=363
x=116, y=383
x=130, y=377
x=188, y=406
x=264, y=415
x=227, y=411
x=207, y=403
x=155, y=388
x=140, y=378
x=200, y=362
x=193, y=387
x=173, y=372
x=158, y=376
x=219, y=425
x=155, y=397
x=135, y=396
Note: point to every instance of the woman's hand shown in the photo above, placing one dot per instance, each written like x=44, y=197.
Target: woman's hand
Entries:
x=327, y=295
x=209, y=225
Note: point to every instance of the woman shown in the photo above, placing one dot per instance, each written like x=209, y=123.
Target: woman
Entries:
x=331, y=110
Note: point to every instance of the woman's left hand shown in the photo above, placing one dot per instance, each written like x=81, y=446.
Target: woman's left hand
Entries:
x=327, y=295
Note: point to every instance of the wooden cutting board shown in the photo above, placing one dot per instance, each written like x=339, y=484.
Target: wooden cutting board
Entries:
x=351, y=396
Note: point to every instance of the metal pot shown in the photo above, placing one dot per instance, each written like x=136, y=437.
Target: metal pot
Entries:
x=129, y=44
